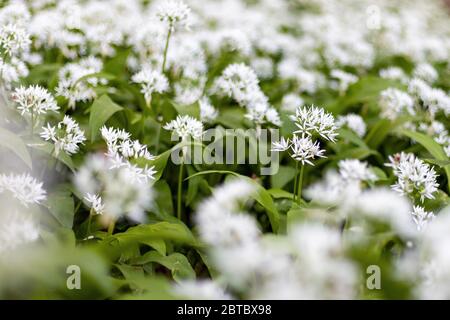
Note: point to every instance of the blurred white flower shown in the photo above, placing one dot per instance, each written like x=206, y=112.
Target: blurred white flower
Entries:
x=95, y=202
x=395, y=103
x=354, y=122
x=207, y=112
x=175, y=14
x=344, y=79
x=352, y=169
x=66, y=135
x=201, y=290
x=14, y=40
x=23, y=187
x=394, y=73
x=291, y=102
x=426, y=72
x=16, y=230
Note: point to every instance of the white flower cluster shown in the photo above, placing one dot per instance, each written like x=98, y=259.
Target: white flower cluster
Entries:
x=241, y=83
x=66, y=135
x=415, y=177
x=309, y=121
x=121, y=148
x=14, y=40
x=354, y=122
x=76, y=80
x=23, y=187
x=395, y=102
x=151, y=81
x=33, y=101
x=343, y=80
x=185, y=127
x=17, y=230
x=207, y=111
x=175, y=13
x=253, y=268
x=112, y=191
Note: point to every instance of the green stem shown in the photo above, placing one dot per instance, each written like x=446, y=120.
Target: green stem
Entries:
x=300, y=184
x=91, y=213
x=111, y=226
x=166, y=48
x=295, y=182
x=32, y=122
x=180, y=185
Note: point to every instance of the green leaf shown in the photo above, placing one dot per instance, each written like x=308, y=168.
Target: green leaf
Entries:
x=284, y=175
x=48, y=148
x=14, y=143
x=101, y=110
x=280, y=194
x=61, y=205
x=177, y=263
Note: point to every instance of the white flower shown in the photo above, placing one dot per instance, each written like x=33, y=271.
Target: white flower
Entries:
x=207, y=112
x=352, y=169
x=201, y=290
x=185, y=127
x=425, y=72
x=17, y=230
x=34, y=100
x=354, y=122
x=118, y=191
x=23, y=187
x=304, y=149
x=344, y=79
x=414, y=177
x=312, y=119
x=96, y=203
x=151, y=81
x=394, y=73
x=175, y=13
x=291, y=101
x=12, y=70
x=394, y=103
x=14, y=40
x=263, y=67
x=66, y=135
x=421, y=217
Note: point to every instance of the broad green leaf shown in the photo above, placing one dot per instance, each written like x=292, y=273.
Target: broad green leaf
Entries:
x=280, y=194
x=61, y=205
x=14, y=143
x=284, y=175
x=101, y=110
x=49, y=148
x=177, y=263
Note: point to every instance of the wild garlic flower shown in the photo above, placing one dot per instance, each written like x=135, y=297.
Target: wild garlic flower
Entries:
x=352, y=169
x=116, y=192
x=263, y=113
x=34, y=101
x=426, y=72
x=151, y=81
x=421, y=217
x=185, y=127
x=14, y=40
x=354, y=122
x=344, y=80
x=395, y=103
x=119, y=142
x=291, y=101
x=121, y=148
x=66, y=135
x=13, y=70
x=415, y=178
x=311, y=120
x=23, y=187
x=394, y=73
x=17, y=230
x=96, y=203
x=301, y=148
x=175, y=14
x=207, y=112
x=73, y=86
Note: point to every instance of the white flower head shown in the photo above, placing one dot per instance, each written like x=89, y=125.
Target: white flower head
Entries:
x=17, y=230
x=425, y=72
x=304, y=149
x=395, y=103
x=354, y=122
x=14, y=40
x=201, y=290
x=421, y=217
x=207, y=112
x=352, y=169
x=415, y=178
x=344, y=79
x=185, y=127
x=23, y=187
x=95, y=202
x=175, y=14
x=310, y=120
x=34, y=100
x=66, y=135
x=151, y=81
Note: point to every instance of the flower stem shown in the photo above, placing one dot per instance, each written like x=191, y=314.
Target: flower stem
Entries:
x=295, y=182
x=300, y=185
x=169, y=33
x=111, y=226
x=91, y=213
x=180, y=184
